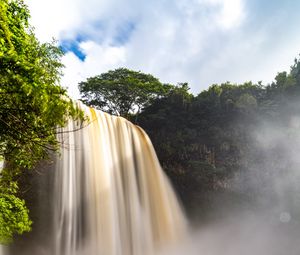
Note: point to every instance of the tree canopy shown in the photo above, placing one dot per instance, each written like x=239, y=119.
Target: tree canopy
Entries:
x=32, y=105
x=122, y=91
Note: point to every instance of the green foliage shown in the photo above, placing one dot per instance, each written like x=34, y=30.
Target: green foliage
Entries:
x=32, y=106
x=122, y=91
x=32, y=103
x=14, y=215
x=16, y=222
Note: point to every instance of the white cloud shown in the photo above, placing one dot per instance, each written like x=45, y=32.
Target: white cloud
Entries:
x=197, y=41
x=228, y=13
x=232, y=13
x=98, y=59
x=50, y=18
x=72, y=74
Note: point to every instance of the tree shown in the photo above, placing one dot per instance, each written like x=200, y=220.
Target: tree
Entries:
x=32, y=106
x=122, y=91
x=14, y=215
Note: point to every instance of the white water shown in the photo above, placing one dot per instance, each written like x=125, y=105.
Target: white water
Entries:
x=111, y=196
x=1, y=250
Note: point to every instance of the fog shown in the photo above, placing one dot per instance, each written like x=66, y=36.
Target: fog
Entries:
x=242, y=235
x=268, y=221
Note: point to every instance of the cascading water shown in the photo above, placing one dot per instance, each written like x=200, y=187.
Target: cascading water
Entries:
x=110, y=194
x=2, y=251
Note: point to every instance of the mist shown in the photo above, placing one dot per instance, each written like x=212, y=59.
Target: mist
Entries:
x=267, y=221
x=242, y=234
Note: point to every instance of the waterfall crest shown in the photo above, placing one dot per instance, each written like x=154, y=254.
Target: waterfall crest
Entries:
x=111, y=196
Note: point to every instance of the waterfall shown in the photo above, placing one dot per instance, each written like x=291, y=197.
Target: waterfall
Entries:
x=2, y=250
x=111, y=196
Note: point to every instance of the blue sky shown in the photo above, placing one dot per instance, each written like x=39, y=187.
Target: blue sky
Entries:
x=201, y=42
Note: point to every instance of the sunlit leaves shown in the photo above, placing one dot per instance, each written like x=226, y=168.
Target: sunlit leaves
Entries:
x=32, y=106
x=122, y=91
x=16, y=222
